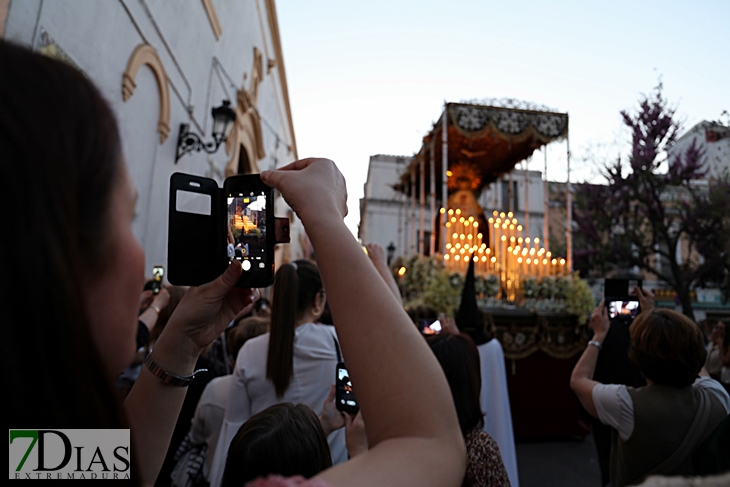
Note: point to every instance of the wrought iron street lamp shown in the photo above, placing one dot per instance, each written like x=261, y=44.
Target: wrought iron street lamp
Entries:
x=187, y=141
x=391, y=251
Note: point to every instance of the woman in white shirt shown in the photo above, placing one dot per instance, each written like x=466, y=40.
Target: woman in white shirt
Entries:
x=294, y=363
x=656, y=426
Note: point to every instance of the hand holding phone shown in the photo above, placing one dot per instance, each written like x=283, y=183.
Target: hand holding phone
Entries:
x=646, y=298
x=599, y=322
x=356, y=437
x=314, y=188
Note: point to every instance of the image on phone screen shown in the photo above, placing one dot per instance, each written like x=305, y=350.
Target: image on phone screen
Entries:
x=623, y=309
x=247, y=229
x=345, y=396
x=429, y=326
x=157, y=273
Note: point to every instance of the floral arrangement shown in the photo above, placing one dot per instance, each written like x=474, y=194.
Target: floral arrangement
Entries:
x=570, y=295
x=423, y=281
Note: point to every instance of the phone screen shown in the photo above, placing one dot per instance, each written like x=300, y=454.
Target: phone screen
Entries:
x=345, y=396
x=429, y=327
x=623, y=309
x=247, y=227
x=158, y=273
x=250, y=229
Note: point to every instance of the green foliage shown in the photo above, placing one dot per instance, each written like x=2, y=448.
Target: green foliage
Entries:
x=441, y=294
x=579, y=299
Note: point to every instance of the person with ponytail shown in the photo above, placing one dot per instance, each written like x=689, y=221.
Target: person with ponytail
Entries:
x=71, y=270
x=295, y=362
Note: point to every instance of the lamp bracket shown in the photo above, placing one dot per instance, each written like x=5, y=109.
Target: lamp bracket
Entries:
x=188, y=141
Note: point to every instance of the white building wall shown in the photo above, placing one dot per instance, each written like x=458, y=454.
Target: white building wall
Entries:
x=100, y=36
x=383, y=214
x=717, y=152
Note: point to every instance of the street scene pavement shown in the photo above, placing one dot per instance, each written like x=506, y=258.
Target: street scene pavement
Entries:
x=558, y=463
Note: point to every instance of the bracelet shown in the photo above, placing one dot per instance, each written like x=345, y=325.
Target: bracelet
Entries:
x=596, y=343
x=157, y=310
x=166, y=377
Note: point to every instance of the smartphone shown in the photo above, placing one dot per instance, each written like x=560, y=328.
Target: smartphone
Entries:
x=621, y=304
x=158, y=272
x=344, y=396
x=429, y=326
x=250, y=229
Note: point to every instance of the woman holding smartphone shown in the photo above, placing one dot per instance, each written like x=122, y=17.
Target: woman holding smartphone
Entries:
x=70, y=302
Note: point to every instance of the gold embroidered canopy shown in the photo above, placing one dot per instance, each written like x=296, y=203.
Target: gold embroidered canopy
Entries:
x=485, y=139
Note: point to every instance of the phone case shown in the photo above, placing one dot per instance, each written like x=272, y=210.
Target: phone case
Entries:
x=196, y=243
x=196, y=251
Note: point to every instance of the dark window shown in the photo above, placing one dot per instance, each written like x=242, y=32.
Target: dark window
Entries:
x=506, y=196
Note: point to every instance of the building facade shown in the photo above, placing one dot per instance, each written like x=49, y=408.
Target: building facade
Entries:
x=160, y=64
x=713, y=139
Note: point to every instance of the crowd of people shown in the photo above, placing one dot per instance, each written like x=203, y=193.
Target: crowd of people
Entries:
x=95, y=354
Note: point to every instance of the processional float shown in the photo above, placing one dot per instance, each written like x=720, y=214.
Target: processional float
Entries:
x=479, y=144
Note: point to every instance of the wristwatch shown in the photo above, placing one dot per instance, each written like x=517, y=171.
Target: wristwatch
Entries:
x=596, y=343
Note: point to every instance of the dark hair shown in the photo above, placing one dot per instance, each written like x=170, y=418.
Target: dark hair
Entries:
x=295, y=287
x=459, y=358
x=60, y=158
x=245, y=330
x=284, y=439
x=668, y=347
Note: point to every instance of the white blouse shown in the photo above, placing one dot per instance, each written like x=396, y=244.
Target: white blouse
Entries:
x=315, y=361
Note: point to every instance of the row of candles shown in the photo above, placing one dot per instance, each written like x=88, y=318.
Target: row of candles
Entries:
x=509, y=254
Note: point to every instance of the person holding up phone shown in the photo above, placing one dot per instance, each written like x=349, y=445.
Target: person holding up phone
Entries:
x=614, y=366
x=62, y=353
x=658, y=425
x=386, y=355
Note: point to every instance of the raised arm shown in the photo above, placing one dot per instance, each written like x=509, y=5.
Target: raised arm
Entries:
x=581, y=381
x=412, y=427
x=153, y=406
x=379, y=260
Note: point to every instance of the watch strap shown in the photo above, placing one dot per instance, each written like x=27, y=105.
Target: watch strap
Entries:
x=165, y=376
x=596, y=343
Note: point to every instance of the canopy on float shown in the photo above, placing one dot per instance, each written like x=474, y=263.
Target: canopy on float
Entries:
x=492, y=137
x=478, y=142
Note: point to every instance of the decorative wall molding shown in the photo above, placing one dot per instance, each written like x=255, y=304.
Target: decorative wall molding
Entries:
x=247, y=131
x=213, y=18
x=257, y=76
x=146, y=54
